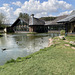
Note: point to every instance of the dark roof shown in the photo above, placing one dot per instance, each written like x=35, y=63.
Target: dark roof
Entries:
x=18, y=21
x=54, y=22
x=35, y=21
x=69, y=18
x=24, y=20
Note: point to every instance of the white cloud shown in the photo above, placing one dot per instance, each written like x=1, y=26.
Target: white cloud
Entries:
x=45, y=8
x=50, y=6
x=66, y=12
x=17, y=3
x=64, y=5
x=17, y=12
x=44, y=14
x=8, y=12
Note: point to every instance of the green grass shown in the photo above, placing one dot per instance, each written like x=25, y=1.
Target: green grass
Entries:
x=70, y=38
x=55, y=60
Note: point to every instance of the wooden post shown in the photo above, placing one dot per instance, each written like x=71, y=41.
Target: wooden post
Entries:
x=66, y=27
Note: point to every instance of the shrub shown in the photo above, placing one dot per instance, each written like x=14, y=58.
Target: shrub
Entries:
x=62, y=32
x=10, y=61
x=28, y=57
x=19, y=58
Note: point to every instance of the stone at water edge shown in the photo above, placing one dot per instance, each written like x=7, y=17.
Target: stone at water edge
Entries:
x=72, y=42
x=73, y=48
x=50, y=42
x=67, y=45
x=62, y=37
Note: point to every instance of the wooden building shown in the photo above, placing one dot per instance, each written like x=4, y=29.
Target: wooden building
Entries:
x=37, y=25
x=20, y=25
x=34, y=25
x=69, y=22
x=65, y=22
x=54, y=26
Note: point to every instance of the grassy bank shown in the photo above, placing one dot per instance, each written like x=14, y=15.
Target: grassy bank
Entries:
x=58, y=59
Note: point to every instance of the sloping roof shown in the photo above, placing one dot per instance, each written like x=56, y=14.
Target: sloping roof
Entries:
x=24, y=20
x=54, y=22
x=35, y=21
x=18, y=21
x=69, y=18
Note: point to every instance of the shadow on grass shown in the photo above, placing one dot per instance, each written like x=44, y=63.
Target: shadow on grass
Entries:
x=72, y=45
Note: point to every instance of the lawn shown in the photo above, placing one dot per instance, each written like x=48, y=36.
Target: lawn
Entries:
x=55, y=60
x=70, y=38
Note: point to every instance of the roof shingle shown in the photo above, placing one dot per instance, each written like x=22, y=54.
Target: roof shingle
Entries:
x=54, y=22
x=69, y=18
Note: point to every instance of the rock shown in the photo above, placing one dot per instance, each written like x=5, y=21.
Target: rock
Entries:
x=73, y=48
x=72, y=42
x=62, y=37
x=67, y=45
x=50, y=42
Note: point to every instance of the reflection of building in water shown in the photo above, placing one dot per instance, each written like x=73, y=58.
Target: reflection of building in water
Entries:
x=18, y=45
x=7, y=41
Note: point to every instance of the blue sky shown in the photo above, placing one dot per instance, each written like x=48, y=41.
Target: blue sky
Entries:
x=9, y=1
x=41, y=8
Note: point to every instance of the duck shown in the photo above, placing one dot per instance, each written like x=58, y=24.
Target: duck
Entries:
x=4, y=49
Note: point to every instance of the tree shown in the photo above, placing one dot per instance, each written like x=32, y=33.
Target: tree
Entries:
x=20, y=15
x=2, y=19
x=48, y=18
x=24, y=16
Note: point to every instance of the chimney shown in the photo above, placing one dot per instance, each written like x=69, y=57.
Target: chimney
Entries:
x=32, y=15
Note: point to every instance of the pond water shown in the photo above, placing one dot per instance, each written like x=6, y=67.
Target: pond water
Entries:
x=21, y=45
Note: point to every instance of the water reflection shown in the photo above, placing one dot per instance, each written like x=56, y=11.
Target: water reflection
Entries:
x=20, y=45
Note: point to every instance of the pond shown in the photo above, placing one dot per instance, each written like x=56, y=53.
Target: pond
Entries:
x=21, y=45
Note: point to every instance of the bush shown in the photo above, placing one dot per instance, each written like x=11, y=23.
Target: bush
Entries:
x=10, y=61
x=62, y=32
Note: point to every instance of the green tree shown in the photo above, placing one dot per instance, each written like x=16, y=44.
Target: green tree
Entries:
x=20, y=15
x=2, y=19
x=24, y=16
x=48, y=18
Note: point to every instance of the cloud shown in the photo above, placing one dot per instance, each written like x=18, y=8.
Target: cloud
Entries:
x=8, y=12
x=45, y=8
x=50, y=6
x=18, y=10
x=17, y=3
x=44, y=14
x=66, y=12
x=64, y=5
